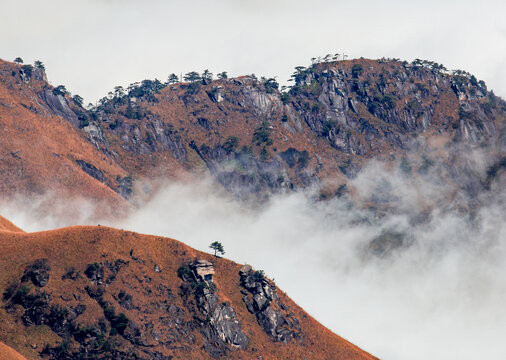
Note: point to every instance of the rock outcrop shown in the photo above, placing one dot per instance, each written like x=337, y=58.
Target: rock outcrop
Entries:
x=261, y=299
x=217, y=321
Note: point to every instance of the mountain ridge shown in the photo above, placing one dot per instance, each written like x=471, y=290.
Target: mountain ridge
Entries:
x=96, y=265
x=257, y=141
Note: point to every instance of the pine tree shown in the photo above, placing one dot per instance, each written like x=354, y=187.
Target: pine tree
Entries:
x=218, y=248
x=38, y=64
x=192, y=77
x=222, y=75
x=172, y=79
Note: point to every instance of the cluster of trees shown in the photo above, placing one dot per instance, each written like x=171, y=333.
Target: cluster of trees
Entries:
x=270, y=84
x=432, y=65
x=206, y=77
x=37, y=63
x=328, y=58
x=28, y=69
x=461, y=77
x=58, y=90
x=147, y=88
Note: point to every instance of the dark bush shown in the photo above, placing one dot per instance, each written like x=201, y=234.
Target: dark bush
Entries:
x=27, y=70
x=303, y=159
x=231, y=144
x=185, y=273
x=259, y=275
x=21, y=293
x=10, y=290
x=262, y=135
x=356, y=70
x=285, y=98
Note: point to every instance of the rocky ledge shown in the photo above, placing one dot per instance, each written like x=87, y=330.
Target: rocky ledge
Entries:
x=217, y=321
x=261, y=299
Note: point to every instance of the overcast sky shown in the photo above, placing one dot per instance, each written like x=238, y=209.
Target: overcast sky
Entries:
x=92, y=45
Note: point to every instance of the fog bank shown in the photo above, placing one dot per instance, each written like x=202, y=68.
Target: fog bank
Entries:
x=441, y=297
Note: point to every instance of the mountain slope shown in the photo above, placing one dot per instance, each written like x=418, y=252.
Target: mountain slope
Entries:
x=251, y=138
x=6, y=225
x=41, y=151
x=8, y=353
x=256, y=140
x=111, y=293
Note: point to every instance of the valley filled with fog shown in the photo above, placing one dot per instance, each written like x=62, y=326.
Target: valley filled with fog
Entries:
x=431, y=296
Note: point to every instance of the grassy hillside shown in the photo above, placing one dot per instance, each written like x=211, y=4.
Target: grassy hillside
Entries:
x=55, y=301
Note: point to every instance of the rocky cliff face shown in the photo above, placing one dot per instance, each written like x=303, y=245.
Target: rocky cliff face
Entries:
x=261, y=299
x=365, y=105
x=257, y=141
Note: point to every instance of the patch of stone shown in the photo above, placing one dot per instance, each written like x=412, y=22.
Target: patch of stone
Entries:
x=261, y=299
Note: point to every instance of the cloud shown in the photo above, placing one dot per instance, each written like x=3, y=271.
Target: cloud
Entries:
x=445, y=288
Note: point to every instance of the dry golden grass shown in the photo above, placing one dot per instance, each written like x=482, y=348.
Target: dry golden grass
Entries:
x=6, y=225
x=79, y=246
x=39, y=149
x=7, y=353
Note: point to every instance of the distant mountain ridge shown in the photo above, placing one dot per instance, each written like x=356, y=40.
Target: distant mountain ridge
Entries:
x=256, y=140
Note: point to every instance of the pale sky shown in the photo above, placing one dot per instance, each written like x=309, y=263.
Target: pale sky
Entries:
x=93, y=45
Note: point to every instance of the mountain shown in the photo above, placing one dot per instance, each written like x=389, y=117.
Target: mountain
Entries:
x=100, y=293
x=97, y=292
x=252, y=138
x=256, y=140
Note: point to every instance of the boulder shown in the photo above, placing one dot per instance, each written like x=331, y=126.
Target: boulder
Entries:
x=203, y=270
x=95, y=272
x=38, y=273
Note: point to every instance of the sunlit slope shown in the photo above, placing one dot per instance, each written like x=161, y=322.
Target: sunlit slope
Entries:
x=54, y=299
x=7, y=353
x=6, y=225
x=41, y=152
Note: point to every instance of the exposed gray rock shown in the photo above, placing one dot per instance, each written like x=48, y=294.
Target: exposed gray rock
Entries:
x=203, y=270
x=224, y=321
x=58, y=105
x=91, y=170
x=261, y=299
x=216, y=94
x=218, y=322
x=38, y=273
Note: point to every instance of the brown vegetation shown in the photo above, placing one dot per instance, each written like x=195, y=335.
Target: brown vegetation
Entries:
x=77, y=247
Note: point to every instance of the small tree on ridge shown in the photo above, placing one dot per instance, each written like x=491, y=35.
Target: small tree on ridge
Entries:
x=218, y=248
